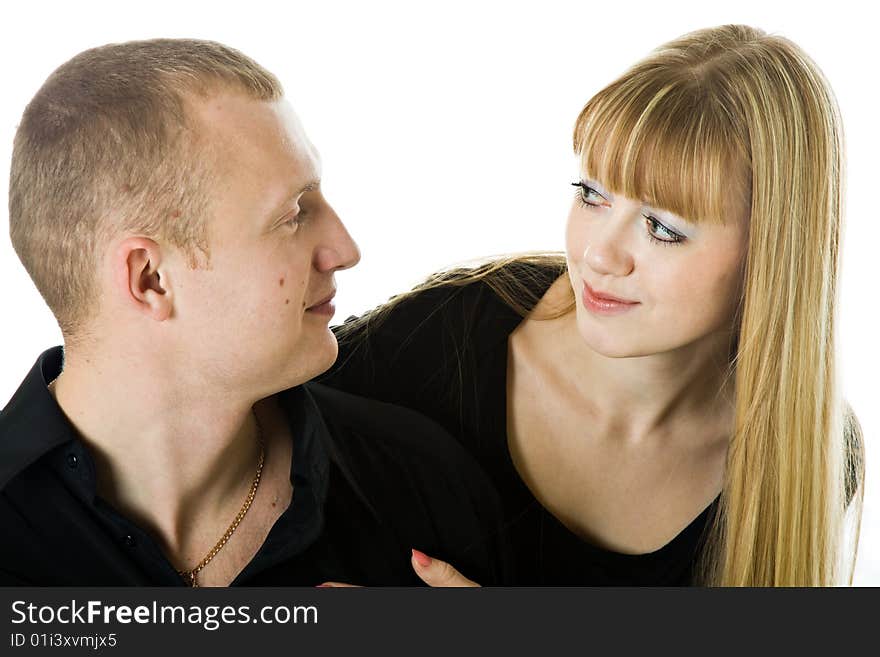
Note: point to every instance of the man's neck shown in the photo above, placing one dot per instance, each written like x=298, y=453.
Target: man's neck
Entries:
x=175, y=458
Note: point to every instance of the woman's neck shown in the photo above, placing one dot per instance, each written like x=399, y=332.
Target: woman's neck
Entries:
x=636, y=397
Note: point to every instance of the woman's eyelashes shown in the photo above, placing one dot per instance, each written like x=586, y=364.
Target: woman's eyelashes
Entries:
x=589, y=197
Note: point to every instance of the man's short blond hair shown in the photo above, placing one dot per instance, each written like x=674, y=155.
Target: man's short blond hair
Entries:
x=107, y=145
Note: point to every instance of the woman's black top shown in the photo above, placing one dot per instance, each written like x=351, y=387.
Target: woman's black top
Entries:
x=443, y=352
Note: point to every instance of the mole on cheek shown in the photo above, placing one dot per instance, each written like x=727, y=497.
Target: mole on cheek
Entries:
x=281, y=281
x=286, y=301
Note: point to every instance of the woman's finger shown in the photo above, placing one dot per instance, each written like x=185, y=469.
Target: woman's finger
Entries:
x=337, y=585
x=435, y=572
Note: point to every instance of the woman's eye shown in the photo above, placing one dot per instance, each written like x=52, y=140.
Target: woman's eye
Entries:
x=587, y=195
x=665, y=235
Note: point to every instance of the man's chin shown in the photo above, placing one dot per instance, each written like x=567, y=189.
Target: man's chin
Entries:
x=320, y=357
x=328, y=362
x=305, y=362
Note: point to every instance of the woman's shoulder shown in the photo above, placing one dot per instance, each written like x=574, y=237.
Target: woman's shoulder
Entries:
x=364, y=429
x=424, y=343
x=454, y=299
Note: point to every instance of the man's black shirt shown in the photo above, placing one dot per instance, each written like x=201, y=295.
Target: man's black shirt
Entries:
x=370, y=481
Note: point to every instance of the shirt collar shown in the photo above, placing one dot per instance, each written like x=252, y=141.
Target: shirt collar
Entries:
x=32, y=423
x=303, y=521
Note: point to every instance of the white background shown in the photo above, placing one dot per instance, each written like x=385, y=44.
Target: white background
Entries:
x=445, y=131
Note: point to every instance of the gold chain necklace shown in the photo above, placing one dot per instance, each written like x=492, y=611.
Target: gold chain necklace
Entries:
x=189, y=576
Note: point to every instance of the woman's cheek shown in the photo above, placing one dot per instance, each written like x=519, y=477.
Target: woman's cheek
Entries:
x=575, y=239
x=707, y=299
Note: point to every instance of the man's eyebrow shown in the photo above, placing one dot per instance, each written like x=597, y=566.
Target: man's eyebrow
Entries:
x=310, y=186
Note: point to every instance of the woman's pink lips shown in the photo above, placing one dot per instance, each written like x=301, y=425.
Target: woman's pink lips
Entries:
x=604, y=305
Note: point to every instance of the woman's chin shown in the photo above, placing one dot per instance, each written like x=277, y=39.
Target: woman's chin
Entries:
x=606, y=341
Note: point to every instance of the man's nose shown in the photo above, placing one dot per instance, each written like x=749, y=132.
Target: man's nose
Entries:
x=337, y=249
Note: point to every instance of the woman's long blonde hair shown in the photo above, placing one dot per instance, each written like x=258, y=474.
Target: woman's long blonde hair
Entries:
x=723, y=116
x=715, y=118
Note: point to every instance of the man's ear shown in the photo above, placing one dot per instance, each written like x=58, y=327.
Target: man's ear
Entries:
x=137, y=280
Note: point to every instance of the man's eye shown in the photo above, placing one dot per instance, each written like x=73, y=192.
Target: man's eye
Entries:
x=295, y=219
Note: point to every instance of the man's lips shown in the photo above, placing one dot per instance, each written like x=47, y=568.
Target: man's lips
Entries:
x=324, y=306
x=323, y=301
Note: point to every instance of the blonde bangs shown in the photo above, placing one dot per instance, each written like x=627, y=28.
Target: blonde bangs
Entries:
x=670, y=145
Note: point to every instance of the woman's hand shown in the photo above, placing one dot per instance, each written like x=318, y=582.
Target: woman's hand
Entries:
x=432, y=572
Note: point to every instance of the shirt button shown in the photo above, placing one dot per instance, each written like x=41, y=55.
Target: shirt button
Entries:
x=72, y=461
x=129, y=541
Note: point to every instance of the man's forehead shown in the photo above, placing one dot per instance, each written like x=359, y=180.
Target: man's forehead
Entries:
x=259, y=137
x=241, y=124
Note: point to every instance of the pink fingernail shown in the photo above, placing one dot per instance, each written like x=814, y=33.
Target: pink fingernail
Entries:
x=324, y=586
x=421, y=558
